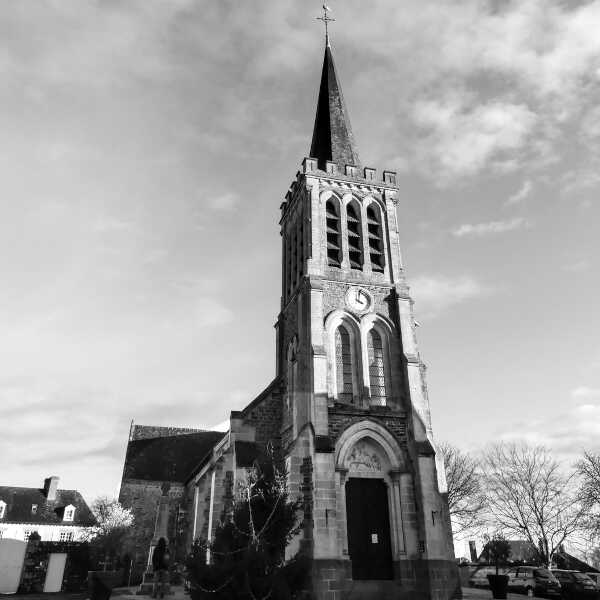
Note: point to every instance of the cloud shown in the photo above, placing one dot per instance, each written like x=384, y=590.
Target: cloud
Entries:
x=211, y=313
x=490, y=228
x=224, y=202
x=523, y=192
x=585, y=393
x=577, y=266
x=434, y=295
x=462, y=138
x=568, y=432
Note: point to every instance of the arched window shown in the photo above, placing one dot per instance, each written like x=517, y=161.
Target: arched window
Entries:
x=355, y=249
x=343, y=365
x=292, y=368
x=334, y=234
x=294, y=258
x=288, y=264
x=375, y=238
x=376, y=368
x=301, y=248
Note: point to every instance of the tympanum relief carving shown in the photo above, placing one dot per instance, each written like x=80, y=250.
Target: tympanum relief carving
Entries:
x=363, y=458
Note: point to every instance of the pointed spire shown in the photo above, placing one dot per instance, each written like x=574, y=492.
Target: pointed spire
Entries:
x=332, y=136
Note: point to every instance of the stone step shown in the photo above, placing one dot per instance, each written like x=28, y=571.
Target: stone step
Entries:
x=145, y=589
x=376, y=589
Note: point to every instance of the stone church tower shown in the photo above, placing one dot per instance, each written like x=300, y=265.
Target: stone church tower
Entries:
x=348, y=406
x=356, y=424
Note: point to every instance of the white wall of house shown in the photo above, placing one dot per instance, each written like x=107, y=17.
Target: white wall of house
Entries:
x=48, y=533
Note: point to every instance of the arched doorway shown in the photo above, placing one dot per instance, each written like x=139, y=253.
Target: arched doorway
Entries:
x=370, y=465
x=368, y=525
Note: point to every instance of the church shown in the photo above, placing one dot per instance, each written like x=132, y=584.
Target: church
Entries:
x=348, y=405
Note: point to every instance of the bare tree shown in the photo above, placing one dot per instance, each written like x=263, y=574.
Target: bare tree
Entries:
x=465, y=493
x=589, y=470
x=531, y=497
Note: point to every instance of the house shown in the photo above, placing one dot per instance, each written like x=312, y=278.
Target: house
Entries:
x=56, y=515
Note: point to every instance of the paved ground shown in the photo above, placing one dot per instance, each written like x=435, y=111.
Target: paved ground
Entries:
x=470, y=593
x=118, y=594
x=178, y=594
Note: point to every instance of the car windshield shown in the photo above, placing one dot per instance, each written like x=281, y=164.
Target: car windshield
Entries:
x=581, y=576
x=543, y=573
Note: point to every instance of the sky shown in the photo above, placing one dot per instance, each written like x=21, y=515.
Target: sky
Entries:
x=146, y=147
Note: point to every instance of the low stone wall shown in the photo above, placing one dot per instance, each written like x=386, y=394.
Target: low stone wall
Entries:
x=35, y=565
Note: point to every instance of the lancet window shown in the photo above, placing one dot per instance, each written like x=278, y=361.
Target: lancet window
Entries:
x=334, y=233
x=375, y=238
x=288, y=265
x=376, y=368
x=294, y=259
x=301, y=247
x=355, y=250
x=343, y=363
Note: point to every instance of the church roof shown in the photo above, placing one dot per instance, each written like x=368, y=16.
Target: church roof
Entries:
x=20, y=503
x=332, y=135
x=167, y=457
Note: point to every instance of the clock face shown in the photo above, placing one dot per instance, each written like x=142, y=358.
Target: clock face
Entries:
x=358, y=299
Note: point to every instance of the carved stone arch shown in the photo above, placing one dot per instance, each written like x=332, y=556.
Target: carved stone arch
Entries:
x=387, y=332
x=334, y=320
x=378, y=436
x=368, y=450
x=331, y=194
x=368, y=200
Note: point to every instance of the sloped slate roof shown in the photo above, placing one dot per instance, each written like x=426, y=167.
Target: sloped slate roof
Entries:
x=19, y=501
x=168, y=458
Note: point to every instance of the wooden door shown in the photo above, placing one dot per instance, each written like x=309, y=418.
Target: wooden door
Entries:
x=368, y=526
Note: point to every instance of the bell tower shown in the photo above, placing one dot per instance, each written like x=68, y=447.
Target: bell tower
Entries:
x=356, y=427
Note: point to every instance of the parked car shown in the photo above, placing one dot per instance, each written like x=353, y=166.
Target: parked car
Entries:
x=533, y=581
x=479, y=578
x=576, y=585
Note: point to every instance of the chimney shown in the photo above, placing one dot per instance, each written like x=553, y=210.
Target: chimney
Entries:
x=50, y=487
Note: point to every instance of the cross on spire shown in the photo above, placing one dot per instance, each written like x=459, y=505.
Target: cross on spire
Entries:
x=326, y=20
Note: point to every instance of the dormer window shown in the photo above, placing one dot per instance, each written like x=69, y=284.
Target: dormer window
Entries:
x=2, y=509
x=69, y=513
x=34, y=508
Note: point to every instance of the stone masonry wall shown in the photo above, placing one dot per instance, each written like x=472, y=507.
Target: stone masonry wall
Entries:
x=334, y=297
x=341, y=416
x=266, y=418
x=142, y=497
x=35, y=565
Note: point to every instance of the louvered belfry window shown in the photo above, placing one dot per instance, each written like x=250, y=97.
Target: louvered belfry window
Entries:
x=343, y=363
x=375, y=239
x=355, y=251
x=334, y=234
x=376, y=368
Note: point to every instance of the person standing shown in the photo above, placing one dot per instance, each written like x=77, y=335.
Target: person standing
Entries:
x=160, y=566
